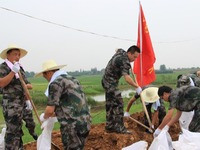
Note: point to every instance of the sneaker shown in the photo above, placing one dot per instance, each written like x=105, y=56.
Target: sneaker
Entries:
x=126, y=114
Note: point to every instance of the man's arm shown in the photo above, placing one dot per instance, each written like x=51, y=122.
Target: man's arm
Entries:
x=154, y=118
x=6, y=80
x=175, y=118
x=49, y=112
x=166, y=119
x=130, y=81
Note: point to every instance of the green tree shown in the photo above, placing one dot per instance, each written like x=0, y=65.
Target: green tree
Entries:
x=163, y=68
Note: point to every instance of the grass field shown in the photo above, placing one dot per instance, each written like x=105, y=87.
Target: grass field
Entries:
x=91, y=86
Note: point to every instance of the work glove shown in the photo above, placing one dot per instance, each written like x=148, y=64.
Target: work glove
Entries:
x=28, y=105
x=156, y=133
x=16, y=67
x=138, y=90
x=126, y=114
x=42, y=119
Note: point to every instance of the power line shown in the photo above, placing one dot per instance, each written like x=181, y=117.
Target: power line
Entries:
x=89, y=32
x=57, y=24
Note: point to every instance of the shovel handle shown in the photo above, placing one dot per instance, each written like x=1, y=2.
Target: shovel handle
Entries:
x=150, y=130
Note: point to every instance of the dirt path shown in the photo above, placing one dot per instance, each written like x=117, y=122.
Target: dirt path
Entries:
x=98, y=139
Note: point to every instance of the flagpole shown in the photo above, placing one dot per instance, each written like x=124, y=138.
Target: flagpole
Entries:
x=141, y=74
x=140, y=19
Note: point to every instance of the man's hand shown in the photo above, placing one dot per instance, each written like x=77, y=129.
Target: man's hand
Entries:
x=156, y=133
x=42, y=119
x=28, y=105
x=138, y=90
x=16, y=67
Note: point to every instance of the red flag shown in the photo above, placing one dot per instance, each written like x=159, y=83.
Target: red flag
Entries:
x=144, y=64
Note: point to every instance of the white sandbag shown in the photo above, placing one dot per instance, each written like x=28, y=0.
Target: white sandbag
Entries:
x=2, y=135
x=187, y=140
x=44, y=140
x=140, y=145
x=162, y=142
x=185, y=119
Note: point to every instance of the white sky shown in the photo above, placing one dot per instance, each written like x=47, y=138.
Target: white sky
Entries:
x=173, y=26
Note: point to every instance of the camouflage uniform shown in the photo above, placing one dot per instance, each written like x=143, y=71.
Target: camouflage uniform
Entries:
x=195, y=78
x=30, y=124
x=118, y=66
x=13, y=104
x=184, y=80
x=187, y=98
x=71, y=109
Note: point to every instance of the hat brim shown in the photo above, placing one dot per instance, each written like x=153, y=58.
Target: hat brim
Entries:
x=149, y=99
x=49, y=69
x=3, y=54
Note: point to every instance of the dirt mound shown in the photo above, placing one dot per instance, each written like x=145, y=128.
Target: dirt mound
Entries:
x=98, y=139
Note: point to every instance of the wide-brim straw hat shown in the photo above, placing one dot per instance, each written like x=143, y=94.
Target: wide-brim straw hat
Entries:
x=48, y=66
x=3, y=54
x=150, y=94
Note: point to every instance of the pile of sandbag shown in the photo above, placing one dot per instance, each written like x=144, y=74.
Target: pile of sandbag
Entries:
x=187, y=140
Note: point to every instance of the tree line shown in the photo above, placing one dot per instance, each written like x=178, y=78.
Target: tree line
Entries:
x=95, y=71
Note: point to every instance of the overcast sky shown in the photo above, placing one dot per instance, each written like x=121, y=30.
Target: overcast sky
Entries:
x=68, y=39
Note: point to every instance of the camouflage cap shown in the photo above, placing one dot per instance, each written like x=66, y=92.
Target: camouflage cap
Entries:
x=183, y=80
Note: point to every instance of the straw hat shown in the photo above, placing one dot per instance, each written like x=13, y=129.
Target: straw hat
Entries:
x=49, y=65
x=150, y=94
x=3, y=54
x=198, y=73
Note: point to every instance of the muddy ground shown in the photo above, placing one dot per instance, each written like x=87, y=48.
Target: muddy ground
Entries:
x=98, y=139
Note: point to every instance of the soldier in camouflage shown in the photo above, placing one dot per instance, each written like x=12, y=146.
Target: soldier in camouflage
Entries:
x=14, y=101
x=118, y=66
x=183, y=99
x=67, y=101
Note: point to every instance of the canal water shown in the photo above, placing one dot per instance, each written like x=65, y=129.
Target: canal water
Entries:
x=101, y=97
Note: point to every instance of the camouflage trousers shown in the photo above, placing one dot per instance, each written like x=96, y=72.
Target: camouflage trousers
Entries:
x=114, y=110
x=29, y=121
x=73, y=136
x=13, y=114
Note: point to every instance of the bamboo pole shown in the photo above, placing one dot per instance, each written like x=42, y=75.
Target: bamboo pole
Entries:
x=150, y=130
x=143, y=104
